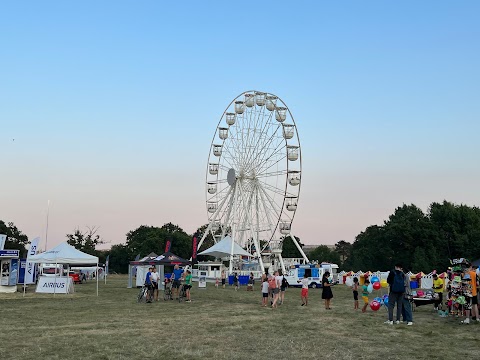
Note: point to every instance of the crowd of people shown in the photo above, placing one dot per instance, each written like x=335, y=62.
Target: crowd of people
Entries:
x=462, y=296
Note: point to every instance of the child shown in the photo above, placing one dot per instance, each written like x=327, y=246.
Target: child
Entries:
x=235, y=281
x=304, y=293
x=355, y=293
x=265, y=292
x=216, y=282
x=365, y=295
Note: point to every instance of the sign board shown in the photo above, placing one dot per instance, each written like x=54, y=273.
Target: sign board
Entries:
x=9, y=253
x=202, y=279
x=55, y=285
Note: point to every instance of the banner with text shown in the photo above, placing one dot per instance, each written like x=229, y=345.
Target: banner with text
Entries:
x=57, y=285
x=30, y=267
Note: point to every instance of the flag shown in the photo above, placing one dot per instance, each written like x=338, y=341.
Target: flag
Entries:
x=106, y=264
x=168, y=245
x=134, y=270
x=194, y=248
x=30, y=267
x=3, y=238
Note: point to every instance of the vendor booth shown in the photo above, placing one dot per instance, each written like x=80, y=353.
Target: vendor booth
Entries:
x=142, y=265
x=8, y=270
x=61, y=254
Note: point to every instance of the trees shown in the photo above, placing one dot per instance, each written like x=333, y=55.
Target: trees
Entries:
x=344, y=249
x=421, y=242
x=323, y=253
x=16, y=240
x=289, y=250
x=86, y=241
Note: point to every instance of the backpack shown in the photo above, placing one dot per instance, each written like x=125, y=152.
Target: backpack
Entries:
x=272, y=283
x=284, y=282
x=398, y=285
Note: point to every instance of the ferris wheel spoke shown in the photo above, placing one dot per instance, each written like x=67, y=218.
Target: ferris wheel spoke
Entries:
x=264, y=152
x=268, y=166
x=272, y=174
x=256, y=149
x=278, y=209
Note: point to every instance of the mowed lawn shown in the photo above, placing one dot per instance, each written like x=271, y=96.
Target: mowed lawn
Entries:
x=218, y=324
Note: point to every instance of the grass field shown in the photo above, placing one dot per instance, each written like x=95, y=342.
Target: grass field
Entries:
x=218, y=324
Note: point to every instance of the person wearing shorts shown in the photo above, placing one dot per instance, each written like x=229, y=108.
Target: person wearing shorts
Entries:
x=365, y=295
x=265, y=292
x=304, y=292
x=177, y=277
x=155, y=279
x=188, y=285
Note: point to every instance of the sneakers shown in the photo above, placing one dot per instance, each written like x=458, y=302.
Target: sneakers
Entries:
x=188, y=301
x=409, y=323
x=397, y=322
x=466, y=321
x=388, y=322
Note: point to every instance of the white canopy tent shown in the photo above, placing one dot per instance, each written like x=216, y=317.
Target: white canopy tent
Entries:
x=225, y=247
x=65, y=254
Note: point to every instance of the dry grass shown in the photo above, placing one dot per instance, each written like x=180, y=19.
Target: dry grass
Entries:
x=218, y=324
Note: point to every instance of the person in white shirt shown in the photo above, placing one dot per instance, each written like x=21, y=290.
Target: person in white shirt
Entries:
x=155, y=277
x=265, y=292
x=304, y=293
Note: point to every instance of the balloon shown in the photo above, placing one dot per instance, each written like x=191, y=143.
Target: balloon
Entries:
x=420, y=293
x=375, y=305
x=378, y=299
x=385, y=301
x=375, y=279
x=376, y=285
x=370, y=288
x=383, y=283
x=349, y=281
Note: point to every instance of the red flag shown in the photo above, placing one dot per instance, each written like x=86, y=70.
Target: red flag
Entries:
x=168, y=245
x=194, y=248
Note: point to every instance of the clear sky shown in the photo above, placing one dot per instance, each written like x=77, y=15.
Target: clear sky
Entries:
x=108, y=108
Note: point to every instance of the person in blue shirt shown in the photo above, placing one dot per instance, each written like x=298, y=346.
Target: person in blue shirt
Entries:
x=177, y=276
x=149, y=285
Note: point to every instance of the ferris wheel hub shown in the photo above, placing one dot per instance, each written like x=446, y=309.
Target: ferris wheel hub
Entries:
x=231, y=177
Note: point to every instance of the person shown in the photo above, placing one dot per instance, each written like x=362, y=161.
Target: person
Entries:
x=235, y=281
x=469, y=287
x=265, y=292
x=327, y=294
x=396, y=281
x=223, y=276
x=304, y=293
x=155, y=278
x=216, y=282
x=355, y=293
x=251, y=281
x=474, y=281
x=188, y=285
x=438, y=288
x=277, y=280
x=407, y=314
x=365, y=294
x=148, y=284
x=283, y=288
x=177, y=276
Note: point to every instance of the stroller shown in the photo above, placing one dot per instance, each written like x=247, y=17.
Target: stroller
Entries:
x=167, y=294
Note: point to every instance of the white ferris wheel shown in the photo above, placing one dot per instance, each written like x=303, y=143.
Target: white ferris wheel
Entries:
x=253, y=175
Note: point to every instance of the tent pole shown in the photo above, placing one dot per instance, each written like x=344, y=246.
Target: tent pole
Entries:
x=55, y=287
x=97, y=277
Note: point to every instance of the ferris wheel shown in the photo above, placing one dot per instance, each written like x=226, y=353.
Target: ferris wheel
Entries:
x=253, y=175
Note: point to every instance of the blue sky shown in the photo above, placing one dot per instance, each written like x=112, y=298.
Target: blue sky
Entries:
x=113, y=105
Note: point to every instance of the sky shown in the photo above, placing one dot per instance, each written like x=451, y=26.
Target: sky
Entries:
x=107, y=109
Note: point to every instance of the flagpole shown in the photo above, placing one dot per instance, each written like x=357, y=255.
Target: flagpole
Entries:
x=46, y=230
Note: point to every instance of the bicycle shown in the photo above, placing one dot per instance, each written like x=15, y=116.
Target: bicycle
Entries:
x=167, y=294
x=142, y=295
x=182, y=294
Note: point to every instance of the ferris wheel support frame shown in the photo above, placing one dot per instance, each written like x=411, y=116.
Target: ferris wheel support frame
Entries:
x=294, y=239
x=230, y=265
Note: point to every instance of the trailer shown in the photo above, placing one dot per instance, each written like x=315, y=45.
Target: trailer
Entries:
x=314, y=274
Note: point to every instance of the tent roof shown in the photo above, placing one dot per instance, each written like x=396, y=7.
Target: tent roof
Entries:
x=169, y=258
x=64, y=254
x=224, y=247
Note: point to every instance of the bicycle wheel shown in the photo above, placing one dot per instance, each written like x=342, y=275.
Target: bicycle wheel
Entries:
x=142, y=295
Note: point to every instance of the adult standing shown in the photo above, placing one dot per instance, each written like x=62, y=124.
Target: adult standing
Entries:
x=283, y=288
x=407, y=314
x=155, y=278
x=177, y=276
x=438, y=288
x=276, y=282
x=469, y=284
x=148, y=284
x=327, y=293
x=396, y=281
x=223, y=276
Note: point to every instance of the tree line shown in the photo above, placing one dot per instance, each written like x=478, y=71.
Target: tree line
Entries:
x=420, y=241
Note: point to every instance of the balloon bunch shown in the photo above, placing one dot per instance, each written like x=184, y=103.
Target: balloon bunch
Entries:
x=376, y=303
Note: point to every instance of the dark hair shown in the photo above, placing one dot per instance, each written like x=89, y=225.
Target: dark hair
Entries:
x=326, y=274
x=367, y=281
x=399, y=265
x=355, y=280
x=305, y=275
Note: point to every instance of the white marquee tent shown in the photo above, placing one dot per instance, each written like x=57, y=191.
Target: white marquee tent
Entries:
x=65, y=254
x=225, y=247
